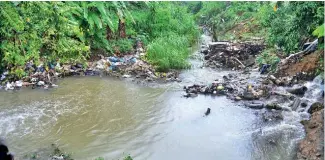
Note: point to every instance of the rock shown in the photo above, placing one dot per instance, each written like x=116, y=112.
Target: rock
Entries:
x=255, y=105
x=237, y=98
x=304, y=104
x=315, y=107
x=298, y=91
x=248, y=96
x=40, y=83
x=229, y=88
x=257, y=94
x=272, y=115
x=207, y=112
x=190, y=95
x=126, y=76
x=226, y=78
x=312, y=146
x=273, y=106
x=149, y=79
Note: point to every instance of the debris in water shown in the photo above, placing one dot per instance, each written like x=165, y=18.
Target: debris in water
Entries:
x=207, y=112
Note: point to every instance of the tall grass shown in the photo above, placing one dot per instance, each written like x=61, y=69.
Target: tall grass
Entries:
x=169, y=52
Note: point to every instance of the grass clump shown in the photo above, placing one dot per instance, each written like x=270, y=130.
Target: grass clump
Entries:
x=169, y=52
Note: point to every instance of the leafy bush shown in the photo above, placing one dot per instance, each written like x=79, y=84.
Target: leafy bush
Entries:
x=69, y=31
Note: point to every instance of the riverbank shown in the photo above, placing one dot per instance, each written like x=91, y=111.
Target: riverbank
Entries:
x=312, y=146
x=132, y=66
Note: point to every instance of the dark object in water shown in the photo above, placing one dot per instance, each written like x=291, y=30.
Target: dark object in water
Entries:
x=207, y=112
x=4, y=152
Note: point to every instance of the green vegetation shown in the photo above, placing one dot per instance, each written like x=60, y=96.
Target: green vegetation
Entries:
x=170, y=51
x=285, y=26
x=222, y=17
x=171, y=30
x=72, y=31
x=292, y=24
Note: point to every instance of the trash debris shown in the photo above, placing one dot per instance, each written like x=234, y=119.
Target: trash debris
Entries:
x=231, y=55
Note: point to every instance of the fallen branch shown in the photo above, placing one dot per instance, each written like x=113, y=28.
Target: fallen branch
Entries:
x=304, y=52
x=239, y=62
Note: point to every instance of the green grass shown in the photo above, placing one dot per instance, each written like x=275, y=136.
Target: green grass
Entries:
x=169, y=52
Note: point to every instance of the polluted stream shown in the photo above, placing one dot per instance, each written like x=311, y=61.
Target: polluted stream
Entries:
x=92, y=117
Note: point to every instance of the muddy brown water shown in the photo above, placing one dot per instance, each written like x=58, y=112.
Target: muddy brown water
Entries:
x=93, y=117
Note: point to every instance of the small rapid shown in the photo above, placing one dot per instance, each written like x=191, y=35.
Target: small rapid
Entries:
x=279, y=141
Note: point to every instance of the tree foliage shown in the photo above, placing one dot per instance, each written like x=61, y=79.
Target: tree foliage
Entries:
x=30, y=30
x=287, y=24
x=71, y=31
x=292, y=24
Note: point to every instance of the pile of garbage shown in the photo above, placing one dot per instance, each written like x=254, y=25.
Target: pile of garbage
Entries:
x=230, y=87
x=231, y=55
x=45, y=75
x=42, y=76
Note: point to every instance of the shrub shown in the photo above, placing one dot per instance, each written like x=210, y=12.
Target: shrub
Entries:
x=268, y=57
